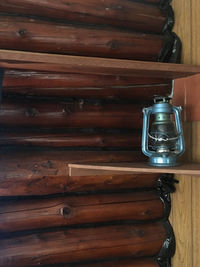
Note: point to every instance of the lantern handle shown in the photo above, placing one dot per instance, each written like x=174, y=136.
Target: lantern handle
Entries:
x=146, y=118
x=177, y=112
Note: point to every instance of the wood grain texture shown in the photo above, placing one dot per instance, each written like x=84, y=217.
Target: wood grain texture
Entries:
x=187, y=27
x=67, y=114
x=18, y=33
x=183, y=28
x=21, y=79
x=72, y=140
x=78, y=64
x=195, y=31
x=181, y=221
x=121, y=13
x=195, y=193
x=45, y=172
x=147, y=262
x=138, y=167
x=72, y=245
x=195, y=221
x=19, y=215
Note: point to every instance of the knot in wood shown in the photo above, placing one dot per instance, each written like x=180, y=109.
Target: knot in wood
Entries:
x=65, y=212
x=114, y=44
x=31, y=112
x=22, y=32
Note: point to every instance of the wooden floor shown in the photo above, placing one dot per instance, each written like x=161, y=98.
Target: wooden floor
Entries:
x=185, y=215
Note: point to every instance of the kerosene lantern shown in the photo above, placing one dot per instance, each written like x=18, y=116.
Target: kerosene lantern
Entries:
x=162, y=135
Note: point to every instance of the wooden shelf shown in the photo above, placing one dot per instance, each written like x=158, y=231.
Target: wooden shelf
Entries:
x=118, y=168
x=10, y=59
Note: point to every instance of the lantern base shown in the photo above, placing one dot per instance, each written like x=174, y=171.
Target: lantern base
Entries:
x=163, y=160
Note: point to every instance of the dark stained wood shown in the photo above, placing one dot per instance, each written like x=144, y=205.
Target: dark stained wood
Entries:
x=29, y=83
x=147, y=262
x=17, y=215
x=90, y=65
x=67, y=114
x=71, y=140
x=112, y=182
x=122, y=13
x=38, y=36
x=77, y=244
x=134, y=93
x=45, y=172
x=25, y=81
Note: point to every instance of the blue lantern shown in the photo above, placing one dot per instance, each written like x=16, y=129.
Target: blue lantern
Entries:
x=162, y=138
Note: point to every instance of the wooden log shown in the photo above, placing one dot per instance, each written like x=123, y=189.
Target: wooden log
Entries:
x=28, y=83
x=73, y=245
x=45, y=172
x=17, y=80
x=142, y=94
x=147, y=262
x=71, y=140
x=29, y=214
x=38, y=36
x=121, y=13
x=65, y=114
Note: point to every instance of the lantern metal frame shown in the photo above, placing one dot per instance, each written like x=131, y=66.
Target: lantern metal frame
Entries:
x=165, y=158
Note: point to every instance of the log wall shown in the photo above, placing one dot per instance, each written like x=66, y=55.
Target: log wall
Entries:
x=147, y=18
x=50, y=119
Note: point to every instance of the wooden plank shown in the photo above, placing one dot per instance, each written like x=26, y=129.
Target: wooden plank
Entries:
x=195, y=193
x=184, y=168
x=182, y=223
x=195, y=221
x=80, y=64
x=186, y=94
x=182, y=27
x=195, y=38
x=195, y=133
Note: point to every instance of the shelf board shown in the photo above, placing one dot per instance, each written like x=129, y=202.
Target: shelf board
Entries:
x=10, y=59
x=120, y=168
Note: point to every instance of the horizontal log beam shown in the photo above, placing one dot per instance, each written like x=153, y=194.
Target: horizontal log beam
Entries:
x=71, y=140
x=45, y=172
x=134, y=93
x=28, y=80
x=121, y=13
x=18, y=79
x=147, y=262
x=70, y=115
x=37, y=36
x=74, y=245
x=19, y=215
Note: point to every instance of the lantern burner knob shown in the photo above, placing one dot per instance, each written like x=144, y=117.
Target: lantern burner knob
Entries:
x=161, y=99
